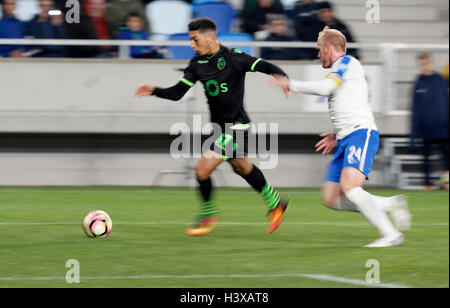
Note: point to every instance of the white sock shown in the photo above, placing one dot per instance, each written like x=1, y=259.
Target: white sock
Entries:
x=385, y=203
x=343, y=204
x=368, y=207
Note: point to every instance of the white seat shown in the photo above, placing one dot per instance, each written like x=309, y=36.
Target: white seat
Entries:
x=168, y=16
x=26, y=9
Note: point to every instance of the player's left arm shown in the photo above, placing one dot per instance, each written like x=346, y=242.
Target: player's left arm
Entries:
x=327, y=143
x=262, y=66
x=247, y=63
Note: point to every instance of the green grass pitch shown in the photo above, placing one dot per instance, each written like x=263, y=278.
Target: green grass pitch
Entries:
x=40, y=229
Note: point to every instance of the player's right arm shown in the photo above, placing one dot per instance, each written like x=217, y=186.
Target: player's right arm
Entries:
x=322, y=87
x=173, y=93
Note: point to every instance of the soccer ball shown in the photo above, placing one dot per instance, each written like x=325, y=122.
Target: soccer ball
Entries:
x=97, y=224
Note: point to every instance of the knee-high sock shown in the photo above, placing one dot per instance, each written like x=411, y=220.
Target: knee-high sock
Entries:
x=257, y=180
x=368, y=207
x=344, y=204
x=207, y=207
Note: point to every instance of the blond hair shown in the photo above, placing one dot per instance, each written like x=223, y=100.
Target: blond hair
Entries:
x=335, y=38
x=424, y=56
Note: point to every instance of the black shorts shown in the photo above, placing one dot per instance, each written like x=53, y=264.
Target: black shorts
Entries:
x=232, y=142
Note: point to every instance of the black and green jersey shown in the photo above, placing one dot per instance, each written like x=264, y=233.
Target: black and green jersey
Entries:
x=223, y=77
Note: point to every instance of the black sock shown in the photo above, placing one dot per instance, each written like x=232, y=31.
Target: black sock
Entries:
x=256, y=179
x=207, y=208
x=205, y=189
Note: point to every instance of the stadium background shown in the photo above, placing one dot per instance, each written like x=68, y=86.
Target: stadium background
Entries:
x=75, y=123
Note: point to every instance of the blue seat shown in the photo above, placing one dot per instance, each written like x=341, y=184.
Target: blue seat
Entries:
x=222, y=13
x=181, y=52
x=196, y=3
x=237, y=37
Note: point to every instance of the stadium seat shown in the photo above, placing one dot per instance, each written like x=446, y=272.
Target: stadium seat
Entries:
x=196, y=3
x=181, y=52
x=237, y=37
x=26, y=9
x=168, y=16
x=221, y=12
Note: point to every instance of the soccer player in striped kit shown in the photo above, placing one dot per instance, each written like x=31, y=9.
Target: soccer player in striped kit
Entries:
x=222, y=72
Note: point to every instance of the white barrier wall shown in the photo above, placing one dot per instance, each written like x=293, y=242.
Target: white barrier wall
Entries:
x=98, y=96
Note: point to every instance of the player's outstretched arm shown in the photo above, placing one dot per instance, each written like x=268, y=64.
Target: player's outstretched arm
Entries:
x=144, y=90
x=273, y=70
x=323, y=88
x=281, y=82
x=173, y=93
x=327, y=144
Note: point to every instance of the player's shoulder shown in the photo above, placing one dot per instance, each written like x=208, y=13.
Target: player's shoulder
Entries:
x=346, y=63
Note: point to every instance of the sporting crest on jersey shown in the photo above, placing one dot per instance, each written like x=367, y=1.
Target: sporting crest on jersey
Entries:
x=221, y=63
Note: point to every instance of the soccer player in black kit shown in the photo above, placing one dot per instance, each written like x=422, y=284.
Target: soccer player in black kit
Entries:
x=222, y=72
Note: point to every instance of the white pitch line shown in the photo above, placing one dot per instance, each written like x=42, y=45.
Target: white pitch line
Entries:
x=229, y=223
x=212, y=276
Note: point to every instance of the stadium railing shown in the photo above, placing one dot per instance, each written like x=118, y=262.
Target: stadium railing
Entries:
x=386, y=54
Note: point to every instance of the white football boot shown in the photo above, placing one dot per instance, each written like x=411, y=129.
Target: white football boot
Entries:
x=396, y=239
x=399, y=213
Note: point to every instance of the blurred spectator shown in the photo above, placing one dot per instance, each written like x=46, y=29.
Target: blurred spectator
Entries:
x=145, y=2
x=92, y=26
x=279, y=32
x=430, y=115
x=96, y=10
x=305, y=20
x=11, y=27
x=308, y=27
x=445, y=72
x=44, y=26
x=118, y=10
x=135, y=31
x=326, y=18
x=256, y=14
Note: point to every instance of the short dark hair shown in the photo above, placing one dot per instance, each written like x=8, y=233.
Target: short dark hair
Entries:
x=325, y=5
x=202, y=24
x=133, y=14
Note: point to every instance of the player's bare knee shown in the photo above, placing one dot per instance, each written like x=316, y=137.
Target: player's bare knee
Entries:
x=328, y=201
x=241, y=168
x=346, y=187
x=237, y=170
x=201, y=173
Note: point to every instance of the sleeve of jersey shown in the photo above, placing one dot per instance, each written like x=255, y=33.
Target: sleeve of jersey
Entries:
x=339, y=70
x=248, y=63
x=173, y=93
x=267, y=68
x=177, y=91
x=323, y=88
